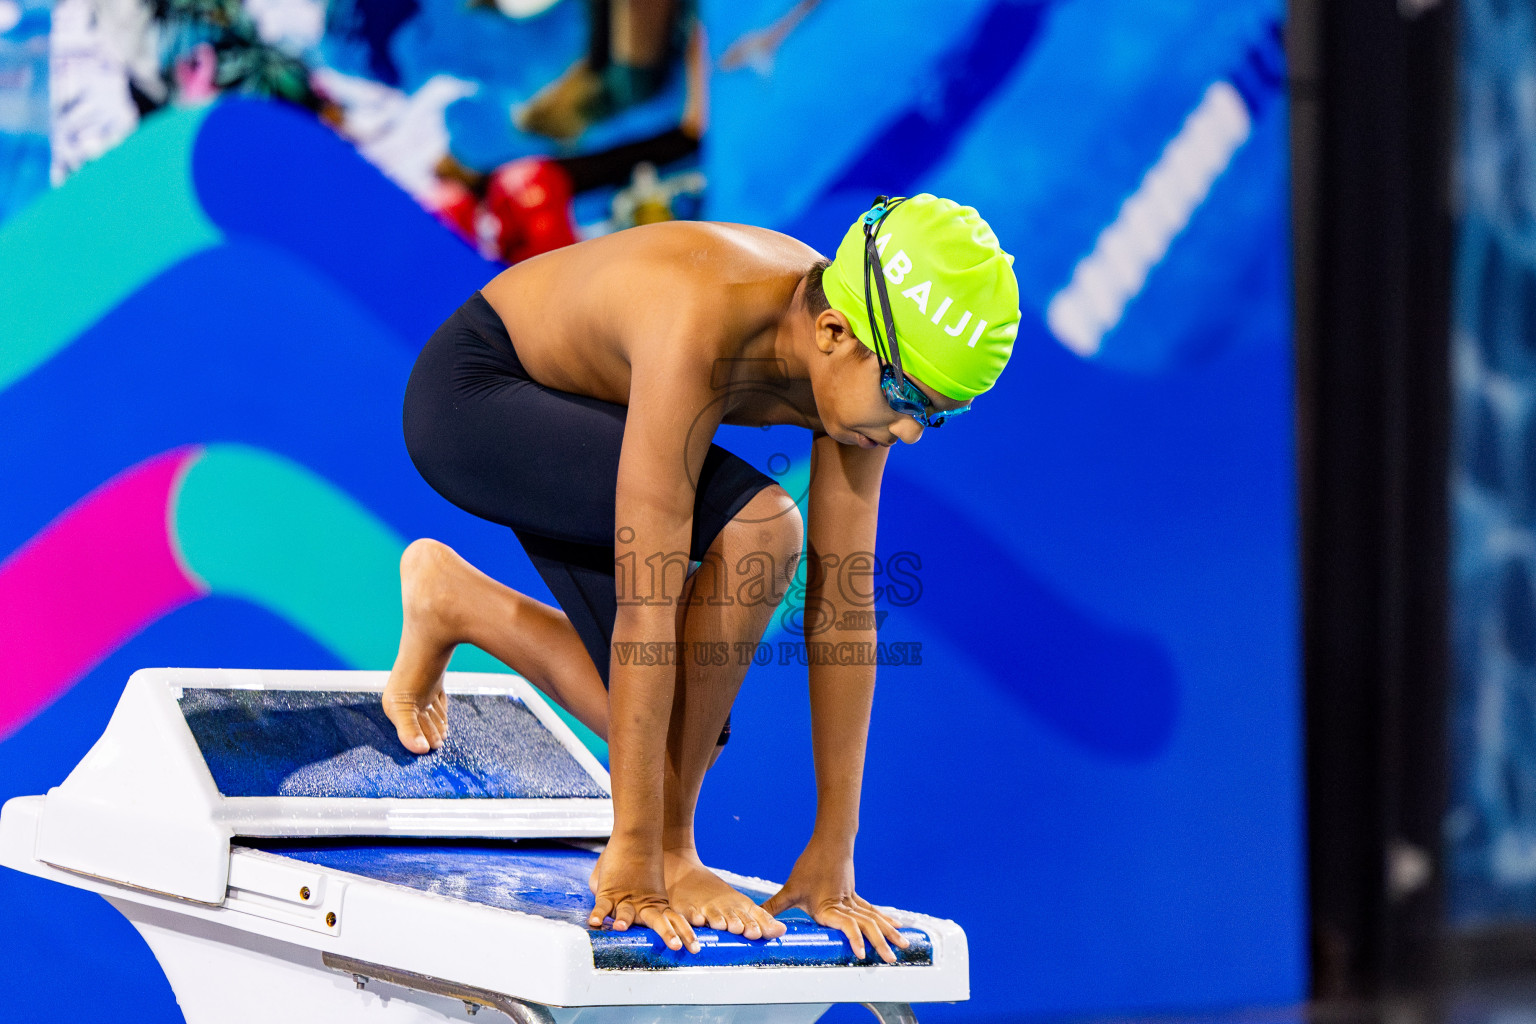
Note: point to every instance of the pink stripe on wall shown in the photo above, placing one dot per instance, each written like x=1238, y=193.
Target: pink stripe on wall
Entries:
x=93, y=578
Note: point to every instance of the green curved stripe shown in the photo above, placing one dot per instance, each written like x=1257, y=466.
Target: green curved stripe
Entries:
x=256, y=526
x=80, y=250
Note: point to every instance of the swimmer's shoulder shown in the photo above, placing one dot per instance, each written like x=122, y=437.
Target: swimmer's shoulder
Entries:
x=728, y=275
x=711, y=252
x=719, y=283
x=735, y=279
x=739, y=248
x=745, y=268
x=718, y=248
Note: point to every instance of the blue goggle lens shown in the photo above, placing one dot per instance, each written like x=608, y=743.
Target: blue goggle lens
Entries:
x=905, y=397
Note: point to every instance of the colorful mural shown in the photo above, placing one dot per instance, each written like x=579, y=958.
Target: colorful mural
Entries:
x=521, y=125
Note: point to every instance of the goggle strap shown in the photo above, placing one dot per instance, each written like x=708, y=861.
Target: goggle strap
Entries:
x=886, y=347
x=885, y=311
x=872, y=261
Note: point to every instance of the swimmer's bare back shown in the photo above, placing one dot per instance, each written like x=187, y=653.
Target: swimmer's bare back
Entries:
x=704, y=298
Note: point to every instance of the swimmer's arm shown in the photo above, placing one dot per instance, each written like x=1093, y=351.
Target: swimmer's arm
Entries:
x=666, y=436
x=844, y=509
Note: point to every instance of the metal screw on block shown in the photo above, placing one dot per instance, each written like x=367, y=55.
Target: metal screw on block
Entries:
x=304, y=893
x=362, y=982
x=330, y=919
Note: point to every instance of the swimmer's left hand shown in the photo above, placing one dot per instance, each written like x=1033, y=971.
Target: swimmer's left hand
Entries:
x=821, y=884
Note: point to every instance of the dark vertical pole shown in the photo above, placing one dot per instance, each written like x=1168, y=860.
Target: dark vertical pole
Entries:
x=1371, y=129
x=1419, y=728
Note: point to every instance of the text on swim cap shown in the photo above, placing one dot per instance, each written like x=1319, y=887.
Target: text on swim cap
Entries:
x=896, y=271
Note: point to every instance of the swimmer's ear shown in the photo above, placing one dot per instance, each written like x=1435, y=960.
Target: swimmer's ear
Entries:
x=832, y=330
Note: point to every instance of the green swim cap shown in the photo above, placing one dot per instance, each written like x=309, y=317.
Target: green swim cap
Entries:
x=951, y=287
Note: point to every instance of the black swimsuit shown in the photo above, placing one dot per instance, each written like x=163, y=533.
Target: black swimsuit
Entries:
x=506, y=448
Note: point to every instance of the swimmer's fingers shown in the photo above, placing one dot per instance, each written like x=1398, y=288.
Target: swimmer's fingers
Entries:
x=868, y=928
x=870, y=923
x=684, y=930
x=699, y=915
x=833, y=912
x=600, y=910
x=845, y=923
x=872, y=931
x=887, y=926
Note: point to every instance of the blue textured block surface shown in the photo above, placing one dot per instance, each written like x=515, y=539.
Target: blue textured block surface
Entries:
x=340, y=744
x=806, y=944
x=550, y=880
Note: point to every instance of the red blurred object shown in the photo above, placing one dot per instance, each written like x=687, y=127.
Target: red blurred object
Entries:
x=454, y=205
x=531, y=201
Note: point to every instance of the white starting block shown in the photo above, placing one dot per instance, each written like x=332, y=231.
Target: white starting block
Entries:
x=287, y=860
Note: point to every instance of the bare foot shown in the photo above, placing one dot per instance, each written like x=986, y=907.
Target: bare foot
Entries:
x=703, y=897
x=413, y=698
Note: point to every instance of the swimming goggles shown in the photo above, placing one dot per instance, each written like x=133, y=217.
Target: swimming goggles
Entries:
x=900, y=393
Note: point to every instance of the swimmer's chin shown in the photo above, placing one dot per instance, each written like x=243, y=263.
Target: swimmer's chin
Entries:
x=857, y=439
x=851, y=437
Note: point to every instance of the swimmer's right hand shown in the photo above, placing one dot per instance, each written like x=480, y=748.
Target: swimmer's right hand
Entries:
x=631, y=888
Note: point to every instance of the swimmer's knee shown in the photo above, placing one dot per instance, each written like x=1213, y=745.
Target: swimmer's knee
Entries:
x=771, y=522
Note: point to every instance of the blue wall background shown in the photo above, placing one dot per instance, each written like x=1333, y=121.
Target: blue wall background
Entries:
x=1096, y=769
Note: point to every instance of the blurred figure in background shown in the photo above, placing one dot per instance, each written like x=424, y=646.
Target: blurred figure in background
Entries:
x=635, y=46
x=524, y=207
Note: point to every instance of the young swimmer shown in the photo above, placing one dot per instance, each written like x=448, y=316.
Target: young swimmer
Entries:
x=592, y=440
